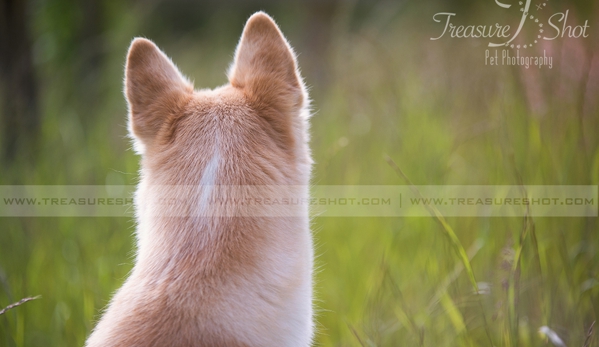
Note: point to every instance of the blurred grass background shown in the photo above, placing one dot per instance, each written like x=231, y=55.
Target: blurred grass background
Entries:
x=380, y=87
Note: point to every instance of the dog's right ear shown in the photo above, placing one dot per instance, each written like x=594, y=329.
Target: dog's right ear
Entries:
x=154, y=88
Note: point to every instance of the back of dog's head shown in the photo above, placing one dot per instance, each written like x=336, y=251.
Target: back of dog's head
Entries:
x=251, y=131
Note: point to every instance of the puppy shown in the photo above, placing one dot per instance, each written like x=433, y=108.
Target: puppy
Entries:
x=206, y=273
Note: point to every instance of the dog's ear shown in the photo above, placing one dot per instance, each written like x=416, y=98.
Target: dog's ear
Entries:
x=154, y=89
x=265, y=67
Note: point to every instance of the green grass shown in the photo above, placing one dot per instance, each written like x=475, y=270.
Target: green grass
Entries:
x=433, y=107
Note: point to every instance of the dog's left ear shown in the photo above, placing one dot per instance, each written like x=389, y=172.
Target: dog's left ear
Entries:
x=265, y=67
x=154, y=89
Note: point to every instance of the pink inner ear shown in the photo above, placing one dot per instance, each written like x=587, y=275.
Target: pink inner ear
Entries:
x=154, y=88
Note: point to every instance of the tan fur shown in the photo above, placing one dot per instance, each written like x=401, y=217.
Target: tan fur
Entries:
x=205, y=277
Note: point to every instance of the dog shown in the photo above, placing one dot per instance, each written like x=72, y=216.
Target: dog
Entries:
x=207, y=274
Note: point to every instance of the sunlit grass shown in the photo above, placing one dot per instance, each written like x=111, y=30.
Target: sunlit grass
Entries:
x=441, y=116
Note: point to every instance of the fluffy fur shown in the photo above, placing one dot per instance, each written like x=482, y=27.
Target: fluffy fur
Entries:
x=204, y=276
